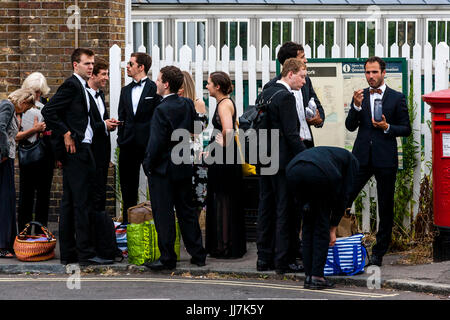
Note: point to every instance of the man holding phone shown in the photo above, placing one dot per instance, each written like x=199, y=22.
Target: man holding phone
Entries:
x=375, y=146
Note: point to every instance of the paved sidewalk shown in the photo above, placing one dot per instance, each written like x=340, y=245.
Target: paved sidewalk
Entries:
x=430, y=278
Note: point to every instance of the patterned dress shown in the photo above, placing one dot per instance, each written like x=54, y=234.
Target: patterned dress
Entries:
x=200, y=177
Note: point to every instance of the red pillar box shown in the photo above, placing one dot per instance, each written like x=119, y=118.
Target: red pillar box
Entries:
x=440, y=117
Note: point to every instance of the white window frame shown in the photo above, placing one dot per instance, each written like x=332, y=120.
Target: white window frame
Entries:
x=271, y=33
x=142, y=36
x=447, y=30
x=313, y=53
x=396, y=32
x=219, y=48
x=205, y=49
x=356, y=34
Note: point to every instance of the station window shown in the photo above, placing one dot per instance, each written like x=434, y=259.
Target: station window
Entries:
x=233, y=33
x=401, y=32
x=148, y=34
x=318, y=33
x=360, y=32
x=192, y=34
x=274, y=33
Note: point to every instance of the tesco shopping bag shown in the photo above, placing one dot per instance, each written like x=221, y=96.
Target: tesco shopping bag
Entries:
x=346, y=257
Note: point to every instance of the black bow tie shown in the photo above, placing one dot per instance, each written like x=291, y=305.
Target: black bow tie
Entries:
x=134, y=83
x=87, y=85
x=98, y=94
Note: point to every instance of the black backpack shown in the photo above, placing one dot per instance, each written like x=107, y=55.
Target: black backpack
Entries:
x=254, y=119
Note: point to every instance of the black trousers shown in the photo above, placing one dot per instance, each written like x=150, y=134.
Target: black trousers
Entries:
x=99, y=188
x=8, y=228
x=316, y=190
x=316, y=237
x=35, y=182
x=75, y=225
x=276, y=221
x=385, y=178
x=165, y=194
x=130, y=161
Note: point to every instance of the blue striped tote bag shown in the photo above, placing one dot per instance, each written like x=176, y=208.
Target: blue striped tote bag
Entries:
x=346, y=257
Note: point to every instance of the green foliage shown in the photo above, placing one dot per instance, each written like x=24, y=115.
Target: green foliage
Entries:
x=403, y=198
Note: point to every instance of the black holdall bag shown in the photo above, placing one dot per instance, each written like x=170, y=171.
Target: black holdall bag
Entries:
x=105, y=237
x=254, y=119
x=31, y=153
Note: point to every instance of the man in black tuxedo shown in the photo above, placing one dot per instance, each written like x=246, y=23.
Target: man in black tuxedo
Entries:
x=305, y=97
x=170, y=179
x=102, y=126
x=274, y=223
x=137, y=102
x=376, y=146
x=322, y=177
x=67, y=115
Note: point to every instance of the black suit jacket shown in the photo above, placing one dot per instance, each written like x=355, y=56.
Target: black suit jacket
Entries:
x=135, y=129
x=338, y=165
x=101, y=143
x=66, y=111
x=173, y=113
x=372, y=143
x=282, y=115
x=307, y=93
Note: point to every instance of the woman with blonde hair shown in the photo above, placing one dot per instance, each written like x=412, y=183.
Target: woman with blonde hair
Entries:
x=18, y=102
x=199, y=180
x=36, y=179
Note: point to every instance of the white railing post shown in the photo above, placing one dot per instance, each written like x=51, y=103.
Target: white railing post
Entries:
x=185, y=58
x=428, y=85
x=364, y=51
x=335, y=51
x=417, y=124
x=441, y=69
x=265, y=65
x=252, y=85
x=379, y=50
x=211, y=68
x=238, y=81
x=156, y=63
x=199, y=71
x=350, y=51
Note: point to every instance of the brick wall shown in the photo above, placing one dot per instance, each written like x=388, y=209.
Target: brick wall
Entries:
x=35, y=36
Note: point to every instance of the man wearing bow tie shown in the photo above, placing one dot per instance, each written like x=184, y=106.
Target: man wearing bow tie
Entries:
x=67, y=115
x=137, y=102
x=376, y=145
x=102, y=125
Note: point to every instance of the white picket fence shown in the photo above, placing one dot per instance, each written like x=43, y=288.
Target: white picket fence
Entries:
x=253, y=69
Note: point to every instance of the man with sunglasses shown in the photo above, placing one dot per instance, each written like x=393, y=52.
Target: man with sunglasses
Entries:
x=137, y=102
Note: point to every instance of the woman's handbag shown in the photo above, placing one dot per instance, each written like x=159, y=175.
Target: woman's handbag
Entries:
x=32, y=153
x=35, y=248
x=247, y=169
x=346, y=257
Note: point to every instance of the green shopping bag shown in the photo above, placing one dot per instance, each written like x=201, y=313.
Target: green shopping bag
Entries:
x=142, y=236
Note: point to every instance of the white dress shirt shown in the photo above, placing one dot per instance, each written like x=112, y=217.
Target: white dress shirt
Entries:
x=100, y=105
x=304, y=128
x=89, y=134
x=374, y=96
x=136, y=93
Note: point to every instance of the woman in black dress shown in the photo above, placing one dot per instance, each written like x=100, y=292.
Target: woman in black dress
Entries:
x=225, y=221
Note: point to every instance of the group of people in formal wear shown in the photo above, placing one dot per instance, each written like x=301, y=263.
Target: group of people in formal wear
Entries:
x=309, y=193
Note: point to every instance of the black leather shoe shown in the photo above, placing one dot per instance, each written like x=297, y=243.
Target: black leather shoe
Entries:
x=158, y=266
x=96, y=261
x=199, y=263
x=69, y=261
x=262, y=265
x=290, y=268
x=307, y=283
x=317, y=284
x=375, y=260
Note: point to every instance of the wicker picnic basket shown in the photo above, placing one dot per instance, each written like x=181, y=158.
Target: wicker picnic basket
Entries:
x=35, y=248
